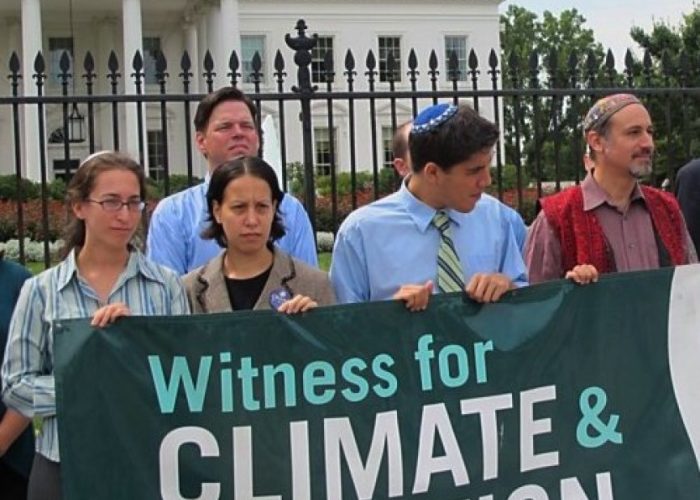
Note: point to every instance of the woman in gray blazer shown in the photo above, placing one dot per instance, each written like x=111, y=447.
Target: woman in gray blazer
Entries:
x=243, y=200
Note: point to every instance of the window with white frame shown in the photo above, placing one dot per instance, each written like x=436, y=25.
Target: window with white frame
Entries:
x=156, y=154
x=57, y=46
x=324, y=44
x=151, y=47
x=387, y=147
x=458, y=45
x=389, y=45
x=322, y=147
x=250, y=44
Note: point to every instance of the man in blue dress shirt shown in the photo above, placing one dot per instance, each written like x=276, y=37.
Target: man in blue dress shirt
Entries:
x=390, y=249
x=402, y=165
x=225, y=130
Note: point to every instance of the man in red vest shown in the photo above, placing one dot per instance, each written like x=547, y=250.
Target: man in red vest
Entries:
x=610, y=223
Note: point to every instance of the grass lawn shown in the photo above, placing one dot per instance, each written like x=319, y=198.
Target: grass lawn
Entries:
x=324, y=261
x=35, y=267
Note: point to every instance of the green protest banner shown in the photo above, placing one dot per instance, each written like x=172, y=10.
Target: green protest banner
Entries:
x=557, y=392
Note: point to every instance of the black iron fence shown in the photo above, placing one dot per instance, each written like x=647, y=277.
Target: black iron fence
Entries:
x=537, y=101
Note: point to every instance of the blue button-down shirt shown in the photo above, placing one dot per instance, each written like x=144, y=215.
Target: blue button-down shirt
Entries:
x=391, y=243
x=174, y=234
x=60, y=293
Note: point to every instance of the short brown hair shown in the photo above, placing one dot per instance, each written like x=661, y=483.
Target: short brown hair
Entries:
x=206, y=106
x=399, y=143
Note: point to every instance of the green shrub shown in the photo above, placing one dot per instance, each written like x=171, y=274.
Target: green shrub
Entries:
x=8, y=188
x=57, y=189
x=363, y=181
x=179, y=182
x=509, y=177
x=295, y=178
x=155, y=190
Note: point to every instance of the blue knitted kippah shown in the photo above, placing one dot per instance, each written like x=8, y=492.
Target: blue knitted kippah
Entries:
x=432, y=117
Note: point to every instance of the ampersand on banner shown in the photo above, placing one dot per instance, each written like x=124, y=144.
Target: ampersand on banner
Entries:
x=606, y=432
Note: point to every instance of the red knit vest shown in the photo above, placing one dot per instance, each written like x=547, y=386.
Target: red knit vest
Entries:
x=581, y=236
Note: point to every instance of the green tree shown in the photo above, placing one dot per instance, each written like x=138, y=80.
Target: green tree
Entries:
x=672, y=61
x=555, y=52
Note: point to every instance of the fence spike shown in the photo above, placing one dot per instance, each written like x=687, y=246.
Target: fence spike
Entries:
x=279, y=62
x=39, y=64
x=610, y=61
x=14, y=63
x=433, y=62
x=412, y=60
x=234, y=63
x=89, y=65
x=208, y=62
x=370, y=61
x=349, y=62
x=137, y=63
x=64, y=64
x=493, y=60
x=185, y=63
x=161, y=62
x=473, y=60
x=113, y=63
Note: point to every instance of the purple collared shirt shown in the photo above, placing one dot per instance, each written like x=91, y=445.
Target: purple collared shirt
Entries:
x=630, y=235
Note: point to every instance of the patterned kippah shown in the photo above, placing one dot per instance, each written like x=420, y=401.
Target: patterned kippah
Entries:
x=432, y=117
x=605, y=107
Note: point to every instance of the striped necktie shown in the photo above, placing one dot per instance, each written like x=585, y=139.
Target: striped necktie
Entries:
x=450, y=276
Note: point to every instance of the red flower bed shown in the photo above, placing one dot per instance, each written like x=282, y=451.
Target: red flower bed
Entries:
x=32, y=217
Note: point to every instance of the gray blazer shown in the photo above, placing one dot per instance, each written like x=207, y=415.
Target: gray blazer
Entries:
x=207, y=293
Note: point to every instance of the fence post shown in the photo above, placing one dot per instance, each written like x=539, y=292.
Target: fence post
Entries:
x=302, y=46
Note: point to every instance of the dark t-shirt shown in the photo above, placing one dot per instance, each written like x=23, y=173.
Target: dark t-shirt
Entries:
x=12, y=276
x=243, y=294
x=688, y=193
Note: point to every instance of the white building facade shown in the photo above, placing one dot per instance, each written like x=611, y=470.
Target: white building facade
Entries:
x=223, y=26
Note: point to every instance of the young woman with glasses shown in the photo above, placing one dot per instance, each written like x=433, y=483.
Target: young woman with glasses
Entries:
x=103, y=276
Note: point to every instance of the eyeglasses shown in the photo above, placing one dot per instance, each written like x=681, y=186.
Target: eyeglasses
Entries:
x=115, y=205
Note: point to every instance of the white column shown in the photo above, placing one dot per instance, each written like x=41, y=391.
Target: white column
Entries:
x=230, y=32
x=31, y=45
x=203, y=44
x=214, y=30
x=133, y=41
x=14, y=37
x=192, y=47
x=106, y=43
x=10, y=44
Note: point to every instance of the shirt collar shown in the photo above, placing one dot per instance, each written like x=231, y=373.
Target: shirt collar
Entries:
x=595, y=196
x=421, y=213
x=135, y=265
